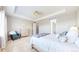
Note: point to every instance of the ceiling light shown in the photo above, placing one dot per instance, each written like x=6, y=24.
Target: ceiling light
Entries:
x=36, y=13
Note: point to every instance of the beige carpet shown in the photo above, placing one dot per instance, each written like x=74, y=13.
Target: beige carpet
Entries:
x=19, y=45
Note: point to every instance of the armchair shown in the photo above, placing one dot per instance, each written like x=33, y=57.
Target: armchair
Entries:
x=15, y=35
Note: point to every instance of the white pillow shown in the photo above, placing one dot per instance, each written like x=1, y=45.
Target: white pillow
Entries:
x=72, y=35
x=57, y=36
x=62, y=39
x=77, y=42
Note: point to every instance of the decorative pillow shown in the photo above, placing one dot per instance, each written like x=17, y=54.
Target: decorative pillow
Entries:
x=62, y=39
x=63, y=33
x=57, y=36
x=61, y=36
x=72, y=35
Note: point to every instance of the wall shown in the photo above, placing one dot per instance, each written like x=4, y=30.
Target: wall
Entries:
x=19, y=24
x=63, y=23
x=77, y=17
x=44, y=26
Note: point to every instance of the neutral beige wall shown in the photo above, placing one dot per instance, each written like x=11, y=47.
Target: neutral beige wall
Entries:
x=44, y=26
x=63, y=23
x=77, y=13
x=19, y=24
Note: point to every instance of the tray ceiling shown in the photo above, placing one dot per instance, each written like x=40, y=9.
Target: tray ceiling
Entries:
x=41, y=11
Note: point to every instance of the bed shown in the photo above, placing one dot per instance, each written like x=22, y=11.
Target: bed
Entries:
x=45, y=44
x=41, y=44
x=51, y=43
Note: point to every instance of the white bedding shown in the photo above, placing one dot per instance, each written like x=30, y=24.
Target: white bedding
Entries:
x=42, y=42
x=48, y=43
x=62, y=47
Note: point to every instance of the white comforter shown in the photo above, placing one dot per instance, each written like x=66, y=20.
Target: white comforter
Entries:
x=51, y=44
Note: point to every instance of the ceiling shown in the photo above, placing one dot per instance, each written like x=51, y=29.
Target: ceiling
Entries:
x=27, y=12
